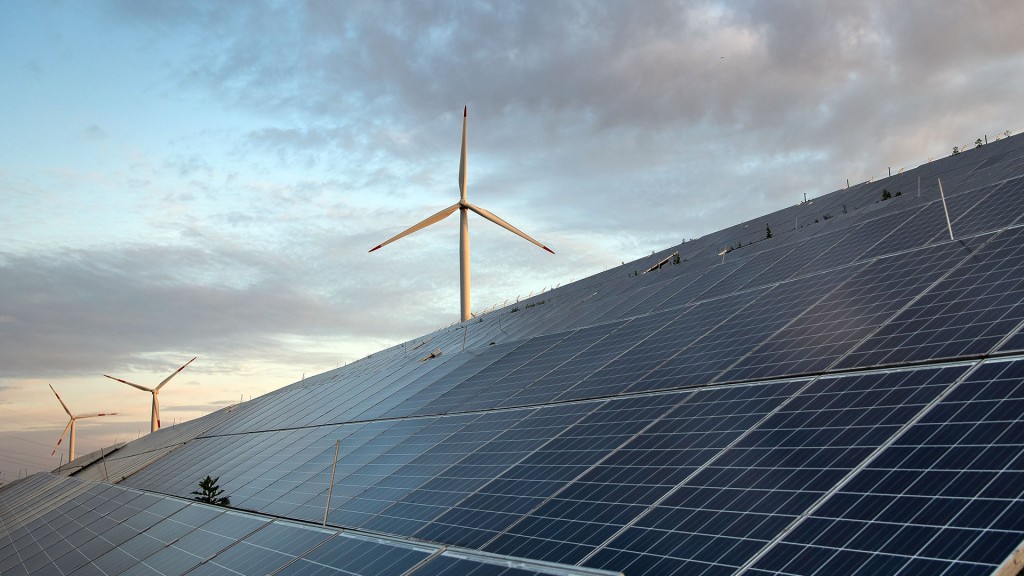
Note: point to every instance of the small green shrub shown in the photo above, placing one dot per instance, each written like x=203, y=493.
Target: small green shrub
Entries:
x=210, y=493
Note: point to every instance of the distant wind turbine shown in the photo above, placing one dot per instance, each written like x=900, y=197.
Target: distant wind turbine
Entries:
x=154, y=419
x=463, y=207
x=71, y=426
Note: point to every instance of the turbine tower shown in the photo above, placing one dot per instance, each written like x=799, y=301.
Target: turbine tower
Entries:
x=154, y=419
x=71, y=426
x=463, y=206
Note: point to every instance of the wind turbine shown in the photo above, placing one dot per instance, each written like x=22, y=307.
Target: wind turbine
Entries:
x=154, y=420
x=463, y=206
x=71, y=426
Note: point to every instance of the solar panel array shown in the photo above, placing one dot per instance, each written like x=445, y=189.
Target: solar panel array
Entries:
x=846, y=395
x=54, y=525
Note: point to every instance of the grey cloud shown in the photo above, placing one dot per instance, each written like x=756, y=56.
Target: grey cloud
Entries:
x=82, y=310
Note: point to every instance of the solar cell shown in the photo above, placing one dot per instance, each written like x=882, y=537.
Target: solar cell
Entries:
x=618, y=337
x=481, y=358
x=688, y=291
x=518, y=489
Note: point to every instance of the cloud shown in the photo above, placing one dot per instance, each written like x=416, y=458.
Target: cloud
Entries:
x=92, y=310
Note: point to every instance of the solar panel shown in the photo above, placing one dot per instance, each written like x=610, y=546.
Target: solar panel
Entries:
x=480, y=390
x=666, y=338
x=998, y=205
x=201, y=539
x=263, y=552
x=966, y=313
x=209, y=538
x=851, y=312
x=720, y=515
x=708, y=355
x=643, y=470
x=761, y=268
x=943, y=497
x=867, y=233
x=538, y=382
x=348, y=555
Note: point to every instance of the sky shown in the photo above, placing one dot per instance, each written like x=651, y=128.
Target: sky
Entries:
x=184, y=179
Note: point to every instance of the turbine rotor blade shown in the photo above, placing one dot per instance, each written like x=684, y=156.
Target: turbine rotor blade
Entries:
x=65, y=406
x=61, y=439
x=173, y=374
x=95, y=415
x=132, y=384
x=156, y=410
x=433, y=219
x=462, y=159
x=505, y=225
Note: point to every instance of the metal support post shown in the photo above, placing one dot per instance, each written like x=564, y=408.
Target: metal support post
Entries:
x=330, y=488
x=946, y=210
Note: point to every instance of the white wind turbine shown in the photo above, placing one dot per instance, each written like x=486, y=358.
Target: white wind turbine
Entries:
x=71, y=426
x=154, y=420
x=463, y=207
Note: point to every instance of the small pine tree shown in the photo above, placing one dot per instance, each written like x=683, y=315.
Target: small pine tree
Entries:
x=767, y=231
x=978, y=143
x=956, y=150
x=210, y=493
